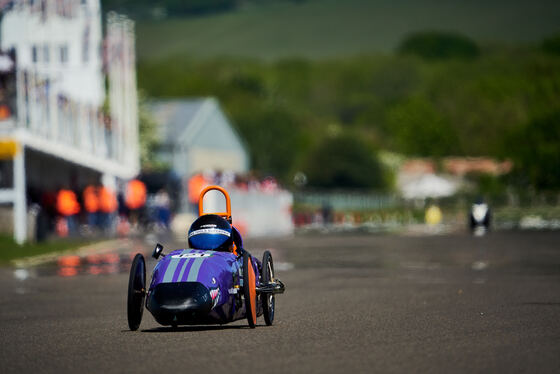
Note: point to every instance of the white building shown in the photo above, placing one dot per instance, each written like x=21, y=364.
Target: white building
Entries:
x=60, y=43
x=62, y=129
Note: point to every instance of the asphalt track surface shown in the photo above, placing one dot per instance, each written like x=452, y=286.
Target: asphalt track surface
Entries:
x=354, y=303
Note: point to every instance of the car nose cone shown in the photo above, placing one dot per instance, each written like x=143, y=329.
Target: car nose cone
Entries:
x=181, y=302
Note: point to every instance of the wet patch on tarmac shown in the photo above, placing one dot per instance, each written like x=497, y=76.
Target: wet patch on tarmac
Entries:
x=110, y=263
x=96, y=264
x=69, y=266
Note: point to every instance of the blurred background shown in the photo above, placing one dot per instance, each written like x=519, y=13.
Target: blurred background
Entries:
x=316, y=115
x=368, y=145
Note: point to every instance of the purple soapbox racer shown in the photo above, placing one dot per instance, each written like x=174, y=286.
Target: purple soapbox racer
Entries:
x=215, y=281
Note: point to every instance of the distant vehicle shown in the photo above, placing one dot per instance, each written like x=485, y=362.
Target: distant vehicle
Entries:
x=216, y=281
x=480, y=218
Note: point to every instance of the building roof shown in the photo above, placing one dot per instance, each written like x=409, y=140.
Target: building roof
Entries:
x=175, y=116
x=196, y=135
x=183, y=121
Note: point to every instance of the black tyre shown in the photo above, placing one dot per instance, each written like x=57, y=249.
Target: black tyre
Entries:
x=267, y=299
x=249, y=290
x=136, y=292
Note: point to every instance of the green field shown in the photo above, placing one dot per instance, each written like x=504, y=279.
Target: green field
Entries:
x=333, y=28
x=10, y=251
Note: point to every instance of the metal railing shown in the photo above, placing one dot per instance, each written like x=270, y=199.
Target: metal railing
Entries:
x=343, y=201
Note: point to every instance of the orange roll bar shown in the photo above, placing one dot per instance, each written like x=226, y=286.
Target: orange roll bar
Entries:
x=226, y=214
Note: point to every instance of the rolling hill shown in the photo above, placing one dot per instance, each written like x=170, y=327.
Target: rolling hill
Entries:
x=319, y=29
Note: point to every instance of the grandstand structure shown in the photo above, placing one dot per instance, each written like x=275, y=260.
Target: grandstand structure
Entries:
x=68, y=102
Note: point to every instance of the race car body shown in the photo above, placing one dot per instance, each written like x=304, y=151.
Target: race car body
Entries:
x=192, y=286
x=205, y=286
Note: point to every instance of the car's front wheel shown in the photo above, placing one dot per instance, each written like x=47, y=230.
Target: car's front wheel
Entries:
x=136, y=292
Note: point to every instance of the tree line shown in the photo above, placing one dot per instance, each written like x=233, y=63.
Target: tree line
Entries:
x=440, y=94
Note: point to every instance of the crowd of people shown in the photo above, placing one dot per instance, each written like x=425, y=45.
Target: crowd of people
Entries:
x=99, y=210
x=139, y=204
x=229, y=179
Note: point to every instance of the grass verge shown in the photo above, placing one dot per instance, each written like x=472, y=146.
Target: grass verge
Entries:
x=10, y=251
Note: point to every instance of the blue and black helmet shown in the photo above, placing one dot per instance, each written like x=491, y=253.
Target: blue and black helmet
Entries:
x=210, y=231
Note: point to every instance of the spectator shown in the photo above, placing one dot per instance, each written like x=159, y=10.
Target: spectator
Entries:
x=68, y=208
x=195, y=186
x=162, y=204
x=91, y=205
x=135, y=200
x=107, y=207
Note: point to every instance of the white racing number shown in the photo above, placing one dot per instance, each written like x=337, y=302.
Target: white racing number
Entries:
x=192, y=255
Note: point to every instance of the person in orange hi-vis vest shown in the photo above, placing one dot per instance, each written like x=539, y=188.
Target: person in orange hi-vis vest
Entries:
x=196, y=184
x=4, y=111
x=107, y=206
x=68, y=207
x=135, y=199
x=91, y=204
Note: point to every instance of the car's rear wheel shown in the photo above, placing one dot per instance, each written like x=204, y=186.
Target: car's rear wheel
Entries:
x=136, y=292
x=267, y=299
x=249, y=290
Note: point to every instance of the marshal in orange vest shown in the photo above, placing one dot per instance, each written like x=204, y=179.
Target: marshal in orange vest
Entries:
x=66, y=203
